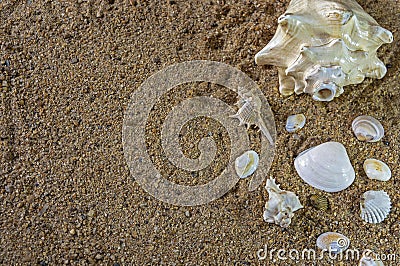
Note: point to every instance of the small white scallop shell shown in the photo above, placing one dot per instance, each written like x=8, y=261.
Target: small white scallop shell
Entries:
x=368, y=261
x=326, y=167
x=368, y=129
x=295, y=122
x=246, y=164
x=334, y=243
x=375, y=206
x=376, y=169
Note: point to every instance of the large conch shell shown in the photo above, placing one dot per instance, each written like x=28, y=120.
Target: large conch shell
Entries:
x=281, y=205
x=321, y=46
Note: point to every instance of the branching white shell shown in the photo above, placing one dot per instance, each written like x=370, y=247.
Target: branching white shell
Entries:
x=375, y=206
x=246, y=164
x=366, y=128
x=326, y=167
x=322, y=45
x=295, y=122
x=334, y=243
x=281, y=205
x=376, y=169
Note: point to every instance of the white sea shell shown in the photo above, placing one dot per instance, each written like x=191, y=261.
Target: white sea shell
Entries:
x=376, y=169
x=249, y=112
x=369, y=261
x=375, y=206
x=334, y=243
x=246, y=163
x=366, y=128
x=322, y=45
x=281, y=205
x=326, y=167
x=295, y=122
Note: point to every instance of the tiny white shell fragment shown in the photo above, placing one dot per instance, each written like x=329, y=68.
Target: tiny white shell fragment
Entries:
x=333, y=242
x=326, y=167
x=368, y=129
x=295, y=122
x=375, y=206
x=368, y=261
x=246, y=164
x=376, y=169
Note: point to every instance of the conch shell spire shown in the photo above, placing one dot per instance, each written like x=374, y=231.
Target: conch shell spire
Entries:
x=320, y=46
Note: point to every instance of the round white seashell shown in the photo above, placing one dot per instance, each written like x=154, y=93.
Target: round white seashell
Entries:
x=368, y=129
x=376, y=169
x=375, y=206
x=326, y=167
x=295, y=122
x=334, y=243
x=246, y=164
x=368, y=261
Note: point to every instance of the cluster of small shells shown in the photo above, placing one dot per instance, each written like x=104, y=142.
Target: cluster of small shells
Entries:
x=321, y=46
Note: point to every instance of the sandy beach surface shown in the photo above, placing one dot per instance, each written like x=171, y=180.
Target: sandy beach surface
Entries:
x=67, y=72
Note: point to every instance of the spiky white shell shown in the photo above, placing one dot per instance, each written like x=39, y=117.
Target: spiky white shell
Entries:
x=366, y=128
x=375, y=206
x=326, y=167
x=249, y=112
x=322, y=45
x=333, y=242
x=295, y=122
x=246, y=164
x=376, y=169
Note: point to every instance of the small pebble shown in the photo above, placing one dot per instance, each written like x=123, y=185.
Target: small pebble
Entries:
x=8, y=188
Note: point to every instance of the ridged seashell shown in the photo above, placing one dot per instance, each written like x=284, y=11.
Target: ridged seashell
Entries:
x=334, y=243
x=295, y=122
x=246, y=164
x=319, y=202
x=281, y=205
x=320, y=46
x=249, y=112
x=368, y=261
x=326, y=167
x=376, y=169
x=375, y=206
x=366, y=128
